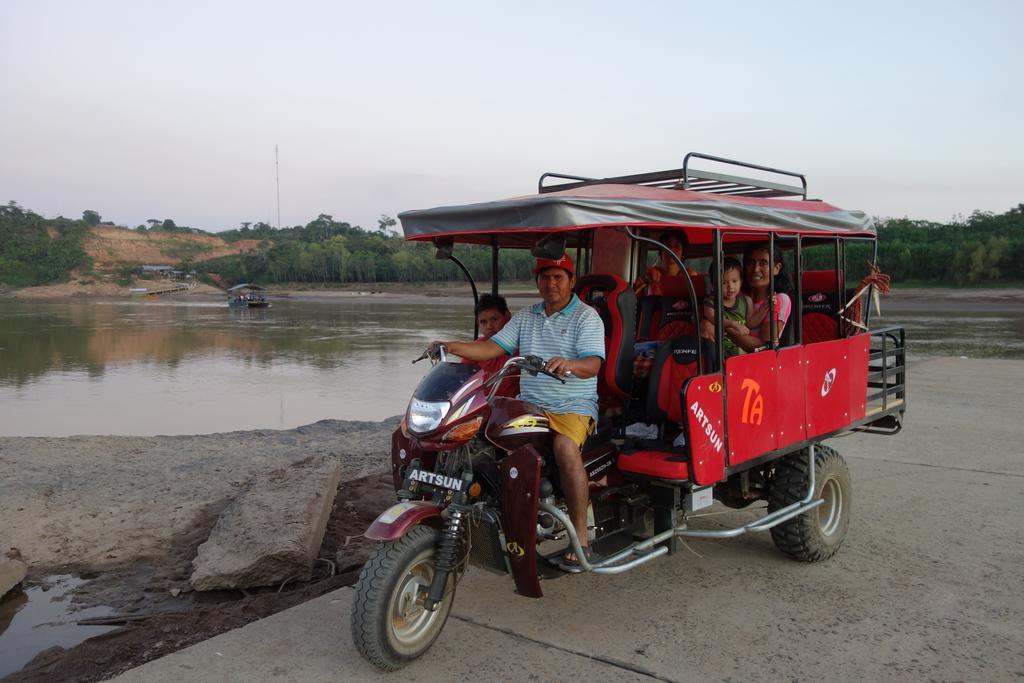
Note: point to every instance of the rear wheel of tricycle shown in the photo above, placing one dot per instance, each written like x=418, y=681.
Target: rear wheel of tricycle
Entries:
x=816, y=534
x=390, y=625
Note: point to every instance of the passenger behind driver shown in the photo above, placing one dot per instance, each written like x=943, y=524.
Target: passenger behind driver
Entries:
x=736, y=307
x=491, y=315
x=654, y=279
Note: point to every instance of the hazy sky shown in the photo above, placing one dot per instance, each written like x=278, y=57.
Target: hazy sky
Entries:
x=145, y=110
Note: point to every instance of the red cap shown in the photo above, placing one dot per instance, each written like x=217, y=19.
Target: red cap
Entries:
x=565, y=263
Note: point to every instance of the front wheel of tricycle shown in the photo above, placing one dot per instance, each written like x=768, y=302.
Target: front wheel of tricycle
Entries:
x=390, y=625
x=816, y=534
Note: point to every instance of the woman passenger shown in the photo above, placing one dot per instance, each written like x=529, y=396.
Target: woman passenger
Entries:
x=758, y=274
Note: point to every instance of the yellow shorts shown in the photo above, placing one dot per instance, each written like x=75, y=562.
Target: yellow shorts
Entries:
x=576, y=427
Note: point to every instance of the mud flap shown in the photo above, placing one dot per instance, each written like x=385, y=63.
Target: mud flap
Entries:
x=520, y=498
x=399, y=518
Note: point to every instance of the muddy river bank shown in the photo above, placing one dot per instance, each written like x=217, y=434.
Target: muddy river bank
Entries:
x=109, y=526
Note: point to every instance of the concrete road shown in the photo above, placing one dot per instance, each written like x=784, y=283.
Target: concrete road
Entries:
x=927, y=586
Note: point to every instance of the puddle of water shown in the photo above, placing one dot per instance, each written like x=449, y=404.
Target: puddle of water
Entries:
x=41, y=617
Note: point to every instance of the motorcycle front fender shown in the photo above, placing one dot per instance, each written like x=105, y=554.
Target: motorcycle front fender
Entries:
x=399, y=518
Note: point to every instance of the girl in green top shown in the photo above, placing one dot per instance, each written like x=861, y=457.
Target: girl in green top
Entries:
x=735, y=306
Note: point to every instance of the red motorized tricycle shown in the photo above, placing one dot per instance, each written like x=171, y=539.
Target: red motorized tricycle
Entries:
x=684, y=422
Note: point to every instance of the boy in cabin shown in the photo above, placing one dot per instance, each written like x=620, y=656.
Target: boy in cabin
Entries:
x=736, y=306
x=491, y=315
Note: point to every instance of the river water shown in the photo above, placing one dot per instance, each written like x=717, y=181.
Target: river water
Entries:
x=147, y=368
x=176, y=367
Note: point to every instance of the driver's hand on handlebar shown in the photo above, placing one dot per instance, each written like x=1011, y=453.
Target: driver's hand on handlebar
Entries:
x=432, y=351
x=557, y=365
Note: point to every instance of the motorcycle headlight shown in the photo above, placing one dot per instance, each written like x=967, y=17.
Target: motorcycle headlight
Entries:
x=425, y=416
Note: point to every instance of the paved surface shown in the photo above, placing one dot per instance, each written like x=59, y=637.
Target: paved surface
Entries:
x=927, y=586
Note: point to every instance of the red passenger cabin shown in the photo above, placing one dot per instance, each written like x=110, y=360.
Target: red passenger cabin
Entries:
x=714, y=416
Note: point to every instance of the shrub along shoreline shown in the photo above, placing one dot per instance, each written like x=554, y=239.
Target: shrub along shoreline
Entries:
x=985, y=249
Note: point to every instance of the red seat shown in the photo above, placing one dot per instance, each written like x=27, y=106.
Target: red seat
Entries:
x=820, y=306
x=615, y=302
x=656, y=464
x=674, y=363
x=670, y=315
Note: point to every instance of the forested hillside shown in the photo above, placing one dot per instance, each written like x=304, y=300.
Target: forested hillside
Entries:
x=325, y=250
x=985, y=249
x=35, y=251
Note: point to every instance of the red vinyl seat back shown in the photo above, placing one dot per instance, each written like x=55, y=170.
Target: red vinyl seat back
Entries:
x=615, y=302
x=820, y=306
x=670, y=315
x=674, y=363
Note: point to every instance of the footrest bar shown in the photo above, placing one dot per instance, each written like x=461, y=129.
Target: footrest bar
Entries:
x=603, y=568
x=764, y=523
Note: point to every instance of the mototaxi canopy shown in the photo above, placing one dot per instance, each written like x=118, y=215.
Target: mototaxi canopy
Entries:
x=521, y=221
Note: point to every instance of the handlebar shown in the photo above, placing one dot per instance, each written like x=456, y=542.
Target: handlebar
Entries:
x=436, y=352
x=532, y=365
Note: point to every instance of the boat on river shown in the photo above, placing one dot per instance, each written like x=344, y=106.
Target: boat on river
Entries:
x=247, y=295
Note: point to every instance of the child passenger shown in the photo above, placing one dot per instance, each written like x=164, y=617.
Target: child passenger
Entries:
x=736, y=306
x=491, y=315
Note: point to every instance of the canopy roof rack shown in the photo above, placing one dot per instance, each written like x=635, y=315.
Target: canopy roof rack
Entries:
x=687, y=178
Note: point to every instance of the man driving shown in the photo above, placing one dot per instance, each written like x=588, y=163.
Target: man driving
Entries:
x=570, y=335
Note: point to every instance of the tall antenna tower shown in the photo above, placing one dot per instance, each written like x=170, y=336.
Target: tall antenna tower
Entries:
x=277, y=173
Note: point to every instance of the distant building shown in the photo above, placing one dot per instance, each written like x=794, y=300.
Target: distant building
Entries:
x=166, y=272
x=162, y=271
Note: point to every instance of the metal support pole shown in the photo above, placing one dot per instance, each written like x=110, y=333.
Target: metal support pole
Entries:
x=686, y=273
x=799, y=285
x=871, y=289
x=716, y=268
x=476, y=297
x=772, y=343
x=840, y=295
x=494, y=266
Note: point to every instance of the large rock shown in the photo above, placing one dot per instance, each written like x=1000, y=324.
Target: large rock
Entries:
x=272, y=531
x=11, y=574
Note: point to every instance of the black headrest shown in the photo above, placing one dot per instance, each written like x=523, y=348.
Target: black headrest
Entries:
x=820, y=302
x=681, y=350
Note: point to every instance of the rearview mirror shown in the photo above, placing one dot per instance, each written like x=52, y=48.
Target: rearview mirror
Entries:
x=444, y=247
x=551, y=247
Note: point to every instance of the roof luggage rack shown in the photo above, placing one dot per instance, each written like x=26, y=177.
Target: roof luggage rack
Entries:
x=687, y=178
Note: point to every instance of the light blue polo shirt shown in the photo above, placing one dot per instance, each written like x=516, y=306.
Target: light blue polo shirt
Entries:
x=574, y=332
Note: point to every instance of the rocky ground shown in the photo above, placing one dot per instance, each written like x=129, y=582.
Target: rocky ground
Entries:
x=128, y=513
